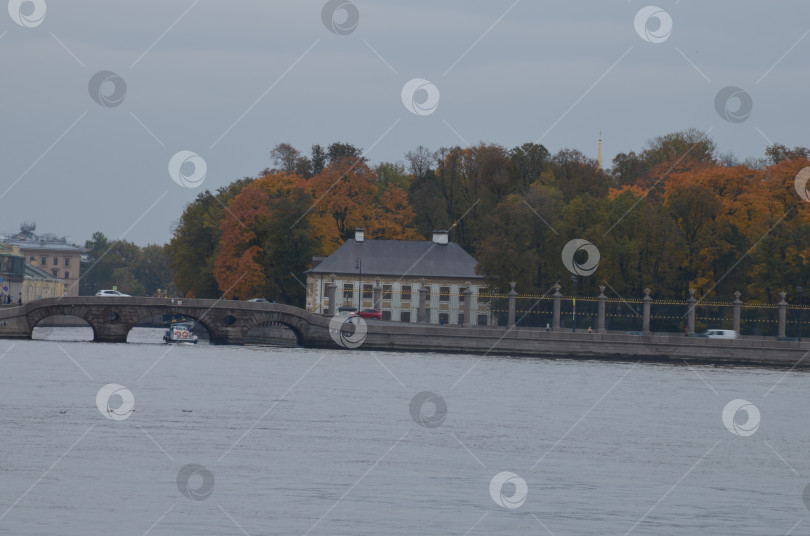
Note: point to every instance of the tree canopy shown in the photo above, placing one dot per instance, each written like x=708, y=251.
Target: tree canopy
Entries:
x=672, y=215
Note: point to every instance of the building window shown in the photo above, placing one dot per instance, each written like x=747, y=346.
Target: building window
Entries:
x=67, y=261
x=386, y=295
x=67, y=275
x=348, y=291
x=444, y=294
x=406, y=293
x=55, y=261
x=367, y=291
x=386, y=315
x=482, y=320
x=405, y=316
x=444, y=318
x=461, y=294
x=55, y=273
x=32, y=259
x=44, y=261
x=460, y=318
x=427, y=295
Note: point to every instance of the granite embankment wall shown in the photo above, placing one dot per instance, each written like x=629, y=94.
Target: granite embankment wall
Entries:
x=527, y=342
x=232, y=323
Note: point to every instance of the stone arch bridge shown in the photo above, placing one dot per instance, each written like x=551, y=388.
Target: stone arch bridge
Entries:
x=228, y=322
x=111, y=318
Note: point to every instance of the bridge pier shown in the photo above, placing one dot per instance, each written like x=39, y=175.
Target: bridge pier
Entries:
x=109, y=337
x=110, y=332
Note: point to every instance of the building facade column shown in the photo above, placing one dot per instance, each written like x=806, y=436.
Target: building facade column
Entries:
x=735, y=322
x=555, y=324
x=645, y=313
x=690, y=313
x=331, y=296
x=782, y=314
x=512, y=305
x=600, y=320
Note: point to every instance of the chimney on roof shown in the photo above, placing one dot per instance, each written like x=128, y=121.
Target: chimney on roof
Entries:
x=359, y=235
x=440, y=238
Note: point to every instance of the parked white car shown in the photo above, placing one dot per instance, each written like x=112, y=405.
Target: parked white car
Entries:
x=112, y=293
x=721, y=334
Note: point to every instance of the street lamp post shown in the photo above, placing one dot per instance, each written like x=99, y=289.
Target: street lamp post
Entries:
x=799, y=290
x=359, y=265
x=574, y=322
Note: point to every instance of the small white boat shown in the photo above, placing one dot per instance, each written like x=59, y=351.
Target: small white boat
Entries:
x=180, y=333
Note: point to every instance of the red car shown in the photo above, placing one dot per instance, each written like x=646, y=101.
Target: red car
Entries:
x=368, y=313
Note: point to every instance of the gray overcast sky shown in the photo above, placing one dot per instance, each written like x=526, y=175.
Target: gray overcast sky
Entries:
x=229, y=80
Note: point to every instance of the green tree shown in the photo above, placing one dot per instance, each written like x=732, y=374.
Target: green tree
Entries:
x=392, y=174
x=576, y=174
x=628, y=169
x=286, y=157
x=421, y=161
x=529, y=162
x=318, y=159
x=680, y=150
x=338, y=150
x=110, y=264
x=153, y=272
x=518, y=247
x=778, y=153
x=94, y=274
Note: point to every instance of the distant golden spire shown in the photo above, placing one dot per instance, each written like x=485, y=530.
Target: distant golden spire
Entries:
x=599, y=156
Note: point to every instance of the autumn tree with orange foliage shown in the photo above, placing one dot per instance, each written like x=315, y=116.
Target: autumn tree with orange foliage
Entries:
x=278, y=222
x=260, y=253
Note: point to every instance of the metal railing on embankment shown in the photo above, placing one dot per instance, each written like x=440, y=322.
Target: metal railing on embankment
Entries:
x=602, y=313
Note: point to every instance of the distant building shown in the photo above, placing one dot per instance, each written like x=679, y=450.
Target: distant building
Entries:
x=51, y=253
x=12, y=265
x=25, y=281
x=401, y=266
x=39, y=284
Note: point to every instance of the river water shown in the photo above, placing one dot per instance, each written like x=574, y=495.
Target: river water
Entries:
x=260, y=440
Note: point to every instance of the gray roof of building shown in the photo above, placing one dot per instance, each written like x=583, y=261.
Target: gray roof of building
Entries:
x=35, y=272
x=39, y=245
x=400, y=258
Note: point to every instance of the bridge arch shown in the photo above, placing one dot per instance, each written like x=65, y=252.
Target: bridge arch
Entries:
x=145, y=315
x=42, y=329
x=37, y=315
x=294, y=322
x=274, y=331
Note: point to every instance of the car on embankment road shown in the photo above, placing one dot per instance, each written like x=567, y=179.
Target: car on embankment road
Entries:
x=375, y=314
x=721, y=334
x=113, y=293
